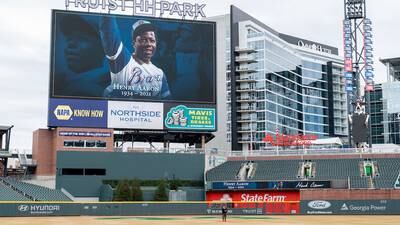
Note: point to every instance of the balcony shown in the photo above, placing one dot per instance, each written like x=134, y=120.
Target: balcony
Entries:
x=245, y=59
x=245, y=99
x=245, y=89
x=245, y=119
x=246, y=140
x=244, y=50
x=4, y=153
x=246, y=109
x=336, y=98
x=241, y=69
x=244, y=130
x=246, y=79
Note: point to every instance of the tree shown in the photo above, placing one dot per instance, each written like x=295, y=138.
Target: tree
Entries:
x=136, y=192
x=174, y=184
x=122, y=192
x=161, y=192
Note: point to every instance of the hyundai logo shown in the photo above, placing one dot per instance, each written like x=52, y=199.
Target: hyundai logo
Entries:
x=23, y=208
x=319, y=204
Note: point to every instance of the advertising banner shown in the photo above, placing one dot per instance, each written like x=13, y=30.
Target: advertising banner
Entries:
x=84, y=134
x=128, y=58
x=182, y=117
x=77, y=113
x=346, y=207
x=40, y=209
x=234, y=185
x=256, y=202
x=253, y=196
x=135, y=115
x=270, y=185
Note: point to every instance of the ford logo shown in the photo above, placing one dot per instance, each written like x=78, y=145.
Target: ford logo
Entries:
x=319, y=204
x=23, y=208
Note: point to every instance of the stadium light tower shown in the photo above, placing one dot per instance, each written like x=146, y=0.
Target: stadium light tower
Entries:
x=358, y=61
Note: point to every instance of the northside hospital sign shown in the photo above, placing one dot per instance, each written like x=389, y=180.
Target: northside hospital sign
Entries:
x=154, y=8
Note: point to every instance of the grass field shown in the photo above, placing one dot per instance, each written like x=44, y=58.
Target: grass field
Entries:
x=205, y=220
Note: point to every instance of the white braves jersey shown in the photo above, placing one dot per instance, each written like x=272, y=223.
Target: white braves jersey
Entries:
x=141, y=79
x=129, y=79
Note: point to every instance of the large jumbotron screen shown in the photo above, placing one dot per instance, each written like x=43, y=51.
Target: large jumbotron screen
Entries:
x=116, y=71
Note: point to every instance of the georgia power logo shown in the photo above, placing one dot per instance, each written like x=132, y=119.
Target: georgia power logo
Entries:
x=23, y=208
x=319, y=204
x=63, y=112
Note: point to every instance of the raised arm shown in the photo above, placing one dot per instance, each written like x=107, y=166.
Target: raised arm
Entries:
x=116, y=53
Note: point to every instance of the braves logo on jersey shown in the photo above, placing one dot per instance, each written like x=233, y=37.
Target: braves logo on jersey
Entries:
x=144, y=80
x=136, y=76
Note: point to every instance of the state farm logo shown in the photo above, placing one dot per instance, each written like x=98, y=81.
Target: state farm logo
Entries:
x=63, y=112
x=262, y=198
x=23, y=208
x=319, y=204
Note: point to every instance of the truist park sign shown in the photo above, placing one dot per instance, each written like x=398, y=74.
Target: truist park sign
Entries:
x=153, y=8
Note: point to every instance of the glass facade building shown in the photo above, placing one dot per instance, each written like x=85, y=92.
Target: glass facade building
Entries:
x=377, y=115
x=385, y=106
x=277, y=83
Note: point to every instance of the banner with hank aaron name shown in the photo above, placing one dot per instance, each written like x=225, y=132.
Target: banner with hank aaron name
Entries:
x=131, y=58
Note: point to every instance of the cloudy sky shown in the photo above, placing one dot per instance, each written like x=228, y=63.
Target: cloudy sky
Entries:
x=25, y=46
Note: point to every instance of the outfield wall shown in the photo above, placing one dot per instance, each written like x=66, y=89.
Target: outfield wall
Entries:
x=315, y=207
x=349, y=194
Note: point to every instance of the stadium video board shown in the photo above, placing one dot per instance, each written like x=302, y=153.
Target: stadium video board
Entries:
x=118, y=71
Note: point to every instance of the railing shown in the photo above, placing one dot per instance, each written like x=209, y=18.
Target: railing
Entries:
x=245, y=58
x=277, y=151
x=164, y=150
x=244, y=49
x=247, y=108
x=271, y=151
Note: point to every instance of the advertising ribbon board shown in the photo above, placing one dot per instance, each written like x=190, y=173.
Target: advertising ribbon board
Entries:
x=182, y=117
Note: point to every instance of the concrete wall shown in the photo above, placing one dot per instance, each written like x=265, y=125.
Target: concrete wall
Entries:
x=220, y=140
x=125, y=165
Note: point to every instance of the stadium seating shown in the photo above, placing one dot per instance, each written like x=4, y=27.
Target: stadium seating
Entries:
x=37, y=193
x=272, y=170
x=225, y=172
x=388, y=172
x=344, y=170
x=8, y=194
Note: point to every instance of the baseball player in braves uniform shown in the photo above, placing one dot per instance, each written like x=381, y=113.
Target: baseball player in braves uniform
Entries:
x=133, y=75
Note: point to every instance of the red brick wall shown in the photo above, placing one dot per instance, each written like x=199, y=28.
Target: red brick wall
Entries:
x=59, y=140
x=43, y=151
x=46, y=143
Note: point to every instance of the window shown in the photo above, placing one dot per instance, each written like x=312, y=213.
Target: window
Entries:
x=79, y=144
x=90, y=144
x=101, y=144
x=72, y=171
x=85, y=144
x=83, y=172
x=95, y=172
x=68, y=143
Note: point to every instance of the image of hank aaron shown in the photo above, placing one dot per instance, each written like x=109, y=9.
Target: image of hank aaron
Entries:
x=133, y=75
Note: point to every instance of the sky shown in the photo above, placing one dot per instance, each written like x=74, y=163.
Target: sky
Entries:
x=25, y=46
